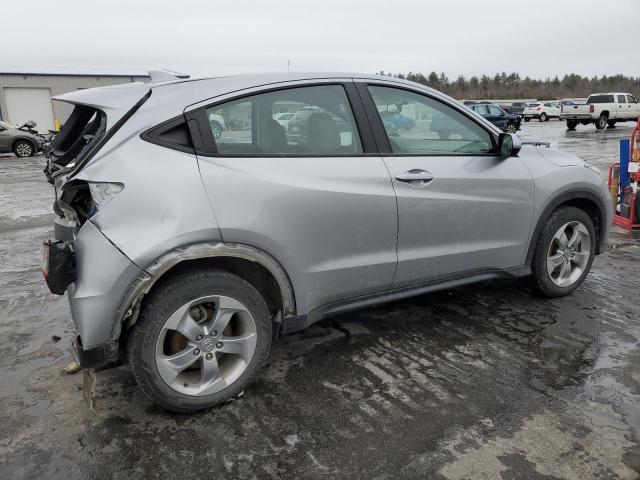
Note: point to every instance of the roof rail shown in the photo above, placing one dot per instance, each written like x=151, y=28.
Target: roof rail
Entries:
x=166, y=76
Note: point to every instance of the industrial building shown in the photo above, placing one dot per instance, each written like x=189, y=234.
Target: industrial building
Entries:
x=26, y=91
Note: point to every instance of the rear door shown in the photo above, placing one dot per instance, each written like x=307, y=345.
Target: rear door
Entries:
x=497, y=117
x=633, y=106
x=315, y=194
x=461, y=208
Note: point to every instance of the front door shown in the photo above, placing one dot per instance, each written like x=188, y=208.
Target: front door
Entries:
x=310, y=194
x=461, y=208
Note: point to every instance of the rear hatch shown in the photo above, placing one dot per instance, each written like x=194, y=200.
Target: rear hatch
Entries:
x=96, y=116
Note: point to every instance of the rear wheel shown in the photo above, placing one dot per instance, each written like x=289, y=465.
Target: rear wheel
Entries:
x=201, y=339
x=216, y=128
x=564, y=252
x=23, y=148
x=601, y=122
x=526, y=119
x=543, y=117
x=572, y=124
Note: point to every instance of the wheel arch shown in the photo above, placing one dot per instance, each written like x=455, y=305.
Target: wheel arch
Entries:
x=582, y=199
x=23, y=139
x=254, y=265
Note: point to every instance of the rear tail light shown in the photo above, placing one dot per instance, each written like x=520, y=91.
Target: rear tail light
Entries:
x=103, y=192
x=592, y=108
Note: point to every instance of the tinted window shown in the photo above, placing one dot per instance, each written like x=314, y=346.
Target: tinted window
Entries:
x=622, y=99
x=600, y=99
x=493, y=110
x=631, y=99
x=481, y=109
x=321, y=123
x=419, y=124
x=534, y=105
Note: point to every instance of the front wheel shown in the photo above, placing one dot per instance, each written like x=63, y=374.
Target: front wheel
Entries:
x=526, y=119
x=543, y=117
x=601, y=122
x=564, y=252
x=201, y=339
x=22, y=149
x=511, y=128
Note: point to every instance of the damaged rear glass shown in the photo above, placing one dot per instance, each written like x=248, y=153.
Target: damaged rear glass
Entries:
x=80, y=132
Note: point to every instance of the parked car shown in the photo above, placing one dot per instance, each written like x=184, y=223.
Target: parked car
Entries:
x=19, y=140
x=507, y=122
x=218, y=125
x=601, y=109
x=543, y=111
x=186, y=256
x=297, y=129
x=283, y=118
x=514, y=107
x=399, y=121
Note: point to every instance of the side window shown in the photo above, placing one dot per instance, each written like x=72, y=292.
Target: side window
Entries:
x=295, y=121
x=419, y=124
x=622, y=99
x=493, y=110
x=631, y=99
x=482, y=109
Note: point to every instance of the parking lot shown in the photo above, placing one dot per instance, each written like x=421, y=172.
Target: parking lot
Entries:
x=487, y=381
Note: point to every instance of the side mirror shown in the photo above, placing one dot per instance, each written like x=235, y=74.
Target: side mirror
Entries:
x=508, y=145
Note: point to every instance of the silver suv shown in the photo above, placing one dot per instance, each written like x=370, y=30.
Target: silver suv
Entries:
x=186, y=251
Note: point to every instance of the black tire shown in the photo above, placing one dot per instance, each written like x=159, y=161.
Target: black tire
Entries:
x=572, y=124
x=526, y=119
x=543, y=117
x=23, y=149
x=558, y=218
x=511, y=128
x=166, y=299
x=611, y=123
x=601, y=122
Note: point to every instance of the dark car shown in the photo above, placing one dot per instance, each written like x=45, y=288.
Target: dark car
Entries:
x=515, y=107
x=507, y=122
x=19, y=140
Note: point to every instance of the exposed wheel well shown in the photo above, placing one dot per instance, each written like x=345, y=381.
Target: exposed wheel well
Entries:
x=254, y=273
x=605, y=113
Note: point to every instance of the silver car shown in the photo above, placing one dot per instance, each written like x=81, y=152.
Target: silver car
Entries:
x=186, y=252
x=22, y=143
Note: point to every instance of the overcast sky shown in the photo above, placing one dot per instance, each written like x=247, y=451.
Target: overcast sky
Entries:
x=533, y=37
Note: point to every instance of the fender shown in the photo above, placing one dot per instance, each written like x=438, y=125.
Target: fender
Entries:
x=129, y=306
x=581, y=194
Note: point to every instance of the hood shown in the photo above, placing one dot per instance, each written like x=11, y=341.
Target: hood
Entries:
x=560, y=159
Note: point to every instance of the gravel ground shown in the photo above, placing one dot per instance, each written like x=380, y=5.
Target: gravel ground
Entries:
x=488, y=381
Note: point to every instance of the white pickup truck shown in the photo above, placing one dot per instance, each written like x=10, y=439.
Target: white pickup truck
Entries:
x=602, y=109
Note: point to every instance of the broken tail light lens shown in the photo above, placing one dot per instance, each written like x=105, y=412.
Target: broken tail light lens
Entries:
x=103, y=192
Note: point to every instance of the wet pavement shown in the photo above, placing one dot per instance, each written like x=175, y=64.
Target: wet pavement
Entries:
x=482, y=382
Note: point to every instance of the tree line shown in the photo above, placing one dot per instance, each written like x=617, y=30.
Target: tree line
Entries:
x=512, y=85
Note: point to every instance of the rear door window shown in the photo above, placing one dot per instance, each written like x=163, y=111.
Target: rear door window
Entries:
x=320, y=123
x=418, y=124
x=600, y=99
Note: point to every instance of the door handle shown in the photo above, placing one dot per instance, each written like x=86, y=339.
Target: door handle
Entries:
x=415, y=177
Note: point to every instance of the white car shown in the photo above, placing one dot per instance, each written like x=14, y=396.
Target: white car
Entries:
x=283, y=118
x=218, y=125
x=543, y=111
x=602, y=109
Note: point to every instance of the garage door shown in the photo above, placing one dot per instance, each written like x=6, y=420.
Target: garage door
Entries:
x=25, y=104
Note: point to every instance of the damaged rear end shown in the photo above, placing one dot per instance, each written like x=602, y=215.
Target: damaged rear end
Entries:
x=97, y=115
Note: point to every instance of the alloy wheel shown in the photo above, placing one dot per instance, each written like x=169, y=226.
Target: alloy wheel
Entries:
x=568, y=254
x=206, y=345
x=23, y=149
x=511, y=128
